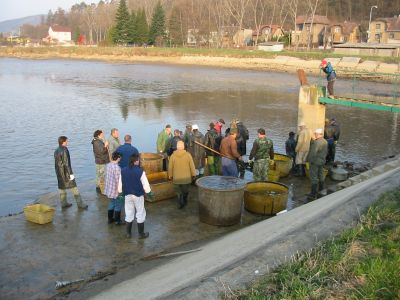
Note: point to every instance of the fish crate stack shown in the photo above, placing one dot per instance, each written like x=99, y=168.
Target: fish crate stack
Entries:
x=152, y=164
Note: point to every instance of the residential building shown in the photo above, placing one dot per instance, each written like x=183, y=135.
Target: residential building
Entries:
x=59, y=34
x=346, y=32
x=385, y=30
x=311, y=31
x=267, y=33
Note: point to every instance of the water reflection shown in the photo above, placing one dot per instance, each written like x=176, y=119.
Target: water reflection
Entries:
x=41, y=100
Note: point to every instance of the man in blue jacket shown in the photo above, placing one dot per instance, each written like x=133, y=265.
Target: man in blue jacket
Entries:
x=327, y=68
x=126, y=150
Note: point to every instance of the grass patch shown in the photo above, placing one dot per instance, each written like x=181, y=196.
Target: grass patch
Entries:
x=177, y=52
x=362, y=263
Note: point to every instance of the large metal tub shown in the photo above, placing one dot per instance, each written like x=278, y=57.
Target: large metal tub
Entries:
x=151, y=162
x=283, y=164
x=265, y=197
x=220, y=199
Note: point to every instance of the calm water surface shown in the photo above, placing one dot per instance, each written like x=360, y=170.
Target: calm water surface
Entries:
x=41, y=100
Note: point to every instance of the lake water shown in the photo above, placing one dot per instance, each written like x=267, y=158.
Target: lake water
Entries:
x=43, y=99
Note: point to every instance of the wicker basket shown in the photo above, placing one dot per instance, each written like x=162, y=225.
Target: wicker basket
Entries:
x=39, y=213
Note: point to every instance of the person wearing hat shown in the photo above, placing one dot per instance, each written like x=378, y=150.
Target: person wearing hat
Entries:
x=230, y=154
x=327, y=68
x=302, y=148
x=212, y=140
x=218, y=126
x=198, y=151
x=262, y=152
x=162, y=144
x=316, y=158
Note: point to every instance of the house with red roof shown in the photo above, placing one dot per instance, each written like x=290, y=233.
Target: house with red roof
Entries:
x=346, y=32
x=385, y=30
x=311, y=30
x=267, y=33
x=59, y=34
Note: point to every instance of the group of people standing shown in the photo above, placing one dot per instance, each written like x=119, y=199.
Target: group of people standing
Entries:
x=317, y=148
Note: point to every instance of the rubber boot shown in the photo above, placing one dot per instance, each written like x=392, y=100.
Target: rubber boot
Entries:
x=110, y=216
x=303, y=170
x=128, y=229
x=299, y=171
x=185, y=197
x=321, y=192
x=181, y=202
x=117, y=218
x=142, y=234
x=64, y=202
x=313, y=194
x=79, y=202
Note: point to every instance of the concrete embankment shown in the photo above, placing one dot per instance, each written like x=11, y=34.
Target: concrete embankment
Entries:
x=235, y=259
x=347, y=67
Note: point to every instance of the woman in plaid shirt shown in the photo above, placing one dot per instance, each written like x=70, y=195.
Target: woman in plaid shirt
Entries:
x=113, y=187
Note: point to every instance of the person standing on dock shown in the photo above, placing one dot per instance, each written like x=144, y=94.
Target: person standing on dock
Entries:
x=134, y=185
x=302, y=148
x=327, y=68
x=173, y=142
x=113, y=141
x=126, y=150
x=162, y=144
x=65, y=176
x=218, y=126
x=101, y=157
x=181, y=171
x=262, y=152
x=230, y=154
x=317, y=158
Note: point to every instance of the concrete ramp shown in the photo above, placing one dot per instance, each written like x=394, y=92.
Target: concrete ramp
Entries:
x=233, y=260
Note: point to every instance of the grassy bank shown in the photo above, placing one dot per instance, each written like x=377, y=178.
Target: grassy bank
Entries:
x=175, y=52
x=362, y=263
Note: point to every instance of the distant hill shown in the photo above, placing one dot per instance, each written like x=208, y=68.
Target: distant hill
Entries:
x=13, y=25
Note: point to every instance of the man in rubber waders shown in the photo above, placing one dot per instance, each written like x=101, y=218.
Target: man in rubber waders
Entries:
x=317, y=158
x=181, y=171
x=65, y=176
x=262, y=152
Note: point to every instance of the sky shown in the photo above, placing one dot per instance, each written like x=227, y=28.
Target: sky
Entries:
x=14, y=9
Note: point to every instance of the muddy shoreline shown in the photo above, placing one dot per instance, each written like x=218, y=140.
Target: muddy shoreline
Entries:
x=368, y=70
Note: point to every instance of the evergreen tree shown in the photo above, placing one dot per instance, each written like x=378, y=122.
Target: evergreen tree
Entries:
x=175, y=27
x=157, y=28
x=132, y=28
x=142, y=29
x=122, y=20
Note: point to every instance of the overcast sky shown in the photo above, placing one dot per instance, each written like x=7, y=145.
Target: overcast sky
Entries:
x=13, y=9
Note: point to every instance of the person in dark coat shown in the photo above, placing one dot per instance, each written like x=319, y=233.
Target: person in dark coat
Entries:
x=101, y=157
x=65, y=176
x=290, y=146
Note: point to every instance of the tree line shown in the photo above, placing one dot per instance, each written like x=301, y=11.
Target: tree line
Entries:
x=167, y=22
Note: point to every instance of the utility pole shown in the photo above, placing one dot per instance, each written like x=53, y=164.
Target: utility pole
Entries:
x=369, y=24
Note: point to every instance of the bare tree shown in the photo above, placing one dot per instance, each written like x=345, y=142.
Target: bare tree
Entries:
x=237, y=9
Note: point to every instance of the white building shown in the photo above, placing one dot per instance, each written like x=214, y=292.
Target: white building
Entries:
x=61, y=34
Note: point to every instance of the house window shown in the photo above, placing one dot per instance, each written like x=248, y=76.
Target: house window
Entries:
x=337, y=29
x=391, y=36
x=378, y=37
x=307, y=27
x=378, y=26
